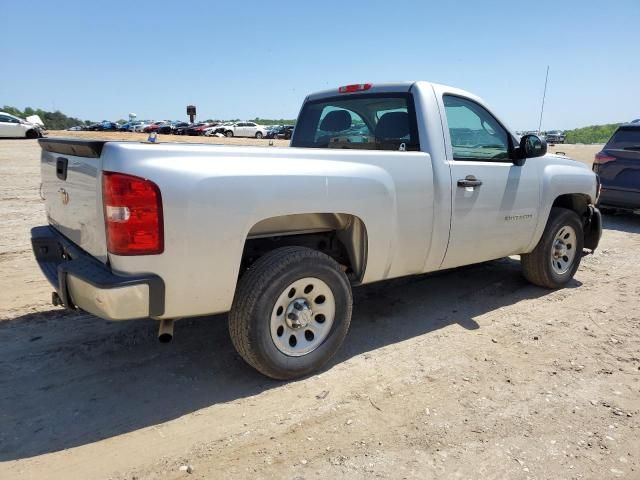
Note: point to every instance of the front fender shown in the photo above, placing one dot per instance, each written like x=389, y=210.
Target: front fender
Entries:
x=561, y=176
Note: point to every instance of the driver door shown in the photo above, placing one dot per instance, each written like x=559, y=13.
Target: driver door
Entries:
x=494, y=201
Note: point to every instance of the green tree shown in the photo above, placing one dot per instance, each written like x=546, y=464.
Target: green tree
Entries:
x=591, y=134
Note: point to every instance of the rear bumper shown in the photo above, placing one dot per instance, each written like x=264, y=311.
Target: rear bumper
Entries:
x=611, y=197
x=83, y=282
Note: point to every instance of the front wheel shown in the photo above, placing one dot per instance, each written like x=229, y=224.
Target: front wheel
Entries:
x=556, y=258
x=259, y=135
x=291, y=312
x=228, y=134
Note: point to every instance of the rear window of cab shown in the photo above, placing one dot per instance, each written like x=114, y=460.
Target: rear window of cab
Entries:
x=374, y=121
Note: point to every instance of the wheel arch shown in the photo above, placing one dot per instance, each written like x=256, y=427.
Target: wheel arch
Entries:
x=32, y=133
x=342, y=236
x=578, y=202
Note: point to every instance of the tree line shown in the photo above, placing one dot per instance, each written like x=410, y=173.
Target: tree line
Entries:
x=591, y=134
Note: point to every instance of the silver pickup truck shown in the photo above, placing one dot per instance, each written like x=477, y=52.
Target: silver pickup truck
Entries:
x=380, y=181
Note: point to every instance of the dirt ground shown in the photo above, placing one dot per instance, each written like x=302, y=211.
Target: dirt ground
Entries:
x=471, y=373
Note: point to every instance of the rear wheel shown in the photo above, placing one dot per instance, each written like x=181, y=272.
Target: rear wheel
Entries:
x=291, y=312
x=259, y=135
x=556, y=258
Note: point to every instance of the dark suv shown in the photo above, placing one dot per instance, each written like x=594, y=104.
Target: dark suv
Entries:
x=618, y=166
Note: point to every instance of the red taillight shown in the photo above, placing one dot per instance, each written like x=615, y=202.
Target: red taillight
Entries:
x=356, y=87
x=602, y=157
x=132, y=215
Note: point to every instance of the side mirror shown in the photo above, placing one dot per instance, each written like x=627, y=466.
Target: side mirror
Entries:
x=531, y=146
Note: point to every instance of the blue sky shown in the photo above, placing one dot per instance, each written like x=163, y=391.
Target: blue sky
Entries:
x=241, y=59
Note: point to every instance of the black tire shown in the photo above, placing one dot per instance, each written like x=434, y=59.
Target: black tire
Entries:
x=228, y=134
x=537, y=266
x=32, y=134
x=255, y=300
x=259, y=135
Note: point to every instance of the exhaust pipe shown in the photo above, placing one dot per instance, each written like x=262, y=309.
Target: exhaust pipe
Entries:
x=165, y=331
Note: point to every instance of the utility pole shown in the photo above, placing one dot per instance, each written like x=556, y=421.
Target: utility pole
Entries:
x=544, y=94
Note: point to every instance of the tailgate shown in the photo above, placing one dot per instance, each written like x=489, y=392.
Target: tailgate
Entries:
x=70, y=172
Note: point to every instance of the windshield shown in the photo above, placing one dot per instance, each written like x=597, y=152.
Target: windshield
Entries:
x=369, y=121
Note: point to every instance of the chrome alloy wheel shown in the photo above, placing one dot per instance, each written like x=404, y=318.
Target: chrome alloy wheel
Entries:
x=563, y=250
x=302, y=316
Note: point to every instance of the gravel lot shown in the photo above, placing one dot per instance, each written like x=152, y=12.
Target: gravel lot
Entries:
x=471, y=373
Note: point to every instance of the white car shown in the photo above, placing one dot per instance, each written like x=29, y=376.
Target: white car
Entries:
x=209, y=132
x=12, y=126
x=140, y=127
x=245, y=129
x=218, y=129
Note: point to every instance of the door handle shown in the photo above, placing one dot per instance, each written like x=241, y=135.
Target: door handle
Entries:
x=469, y=181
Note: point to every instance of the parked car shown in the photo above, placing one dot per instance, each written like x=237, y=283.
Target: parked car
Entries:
x=104, y=126
x=555, y=136
x=169, y=128
x=272, y=131
x=198, y=128
x=12, y=126
x=153, y=127
x=182, y=130
x=245, y=129
x=285, y=132
x=76, y=128
x=220, y=128
x=141, y=126
x=129, y=126
x=211, y=130
x=278, y=237
x=618, y=168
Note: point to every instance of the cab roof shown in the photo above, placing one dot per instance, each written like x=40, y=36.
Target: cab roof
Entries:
x=374, y=88
x=393, y=87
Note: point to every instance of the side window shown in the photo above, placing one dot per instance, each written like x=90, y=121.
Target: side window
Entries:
x=7, y=119
x=475, y=133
